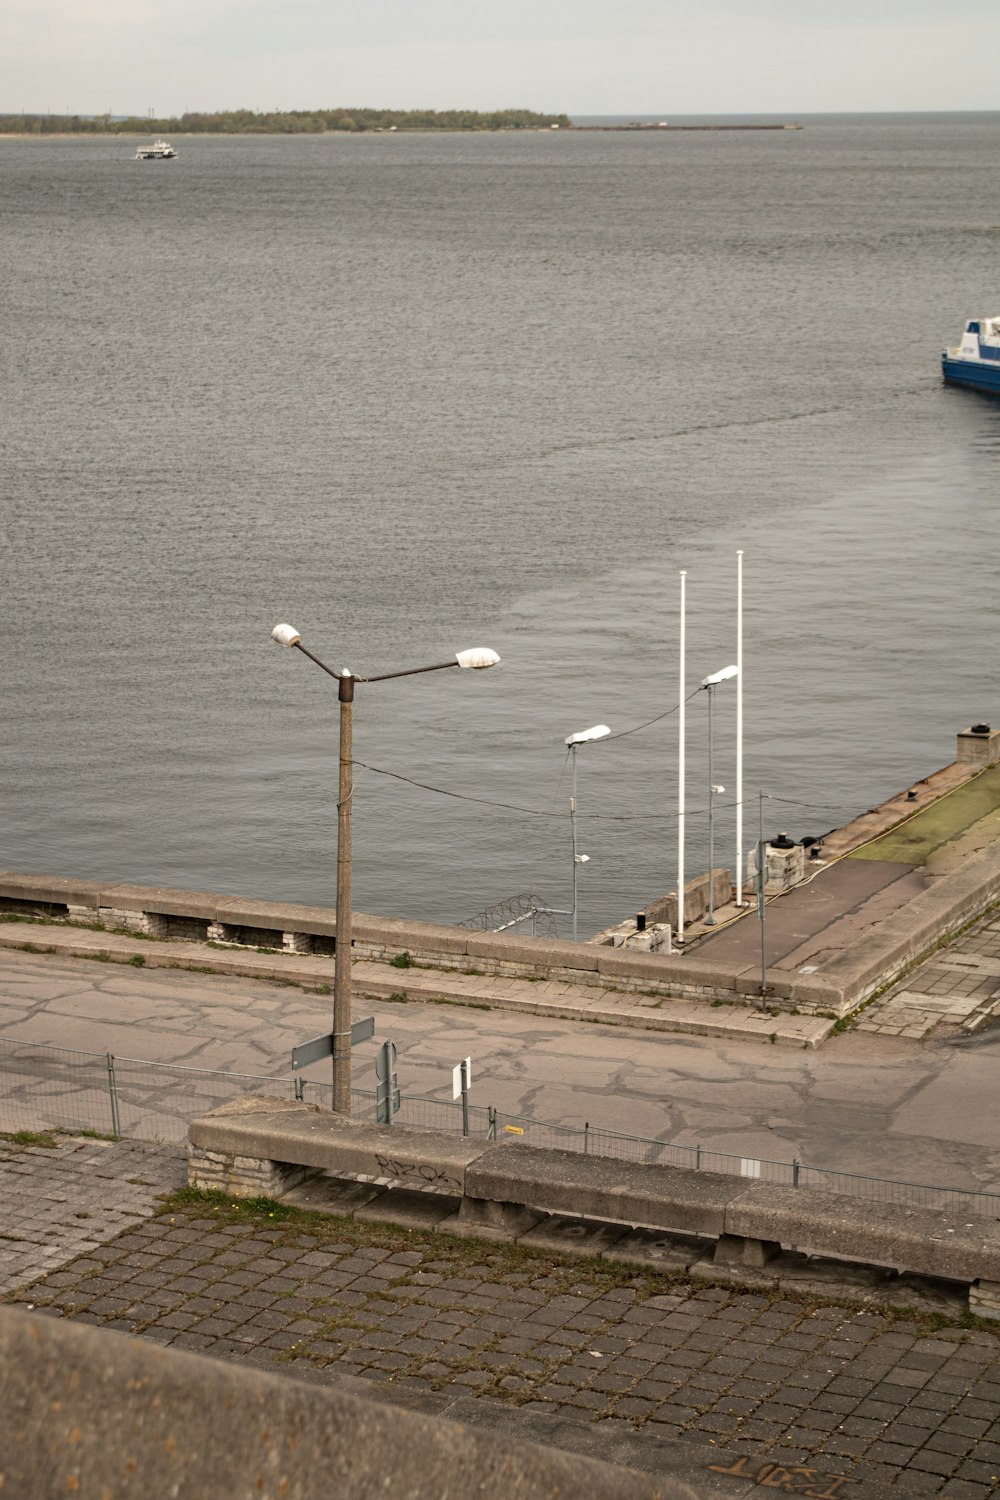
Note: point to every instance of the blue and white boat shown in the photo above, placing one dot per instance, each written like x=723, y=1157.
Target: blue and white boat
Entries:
x=976, y=361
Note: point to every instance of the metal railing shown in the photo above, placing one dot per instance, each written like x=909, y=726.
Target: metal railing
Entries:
x=57, y=1088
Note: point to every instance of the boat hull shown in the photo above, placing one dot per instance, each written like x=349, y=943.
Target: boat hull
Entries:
x=975, y=374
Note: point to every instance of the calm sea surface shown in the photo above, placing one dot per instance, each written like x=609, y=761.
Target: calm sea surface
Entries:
x=415, y=394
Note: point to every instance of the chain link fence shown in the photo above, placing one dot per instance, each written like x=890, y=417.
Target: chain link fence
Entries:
x=56, y=1088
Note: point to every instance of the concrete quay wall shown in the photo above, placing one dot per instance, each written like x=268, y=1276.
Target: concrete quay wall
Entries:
x=842, y=982
x=709, y=1224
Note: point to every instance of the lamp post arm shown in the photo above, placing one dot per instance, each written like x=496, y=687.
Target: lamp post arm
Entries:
x=330, y=671
x=438, y=666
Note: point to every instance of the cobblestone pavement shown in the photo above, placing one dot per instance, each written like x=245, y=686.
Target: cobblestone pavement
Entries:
x=957, y=989
x=64, y=1202
x=655, y=1372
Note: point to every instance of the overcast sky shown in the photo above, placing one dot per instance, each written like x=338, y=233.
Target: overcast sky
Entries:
x=665, y=57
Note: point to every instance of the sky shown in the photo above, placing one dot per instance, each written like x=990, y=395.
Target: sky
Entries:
x=583, y=57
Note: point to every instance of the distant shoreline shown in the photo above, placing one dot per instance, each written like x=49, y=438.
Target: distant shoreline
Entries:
x=207, y=135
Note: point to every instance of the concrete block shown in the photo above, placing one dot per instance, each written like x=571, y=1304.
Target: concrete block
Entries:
x=399, y=936
x=928, y=1242
x=673, y=973
x=129, y=897
x=279, y=1130
x=634, y=1193
x=731, y=1249
x=478, y=1218
x=49, y=890
x=538, y=954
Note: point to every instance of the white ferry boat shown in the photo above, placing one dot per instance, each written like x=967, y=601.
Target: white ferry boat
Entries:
x=976, y=361
x=158, y=151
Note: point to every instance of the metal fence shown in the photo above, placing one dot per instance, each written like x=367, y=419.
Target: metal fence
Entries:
x=57, y=1088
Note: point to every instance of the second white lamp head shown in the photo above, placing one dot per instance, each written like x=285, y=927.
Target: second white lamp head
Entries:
x=596, y=733
x=285, y=635
x=721, y=676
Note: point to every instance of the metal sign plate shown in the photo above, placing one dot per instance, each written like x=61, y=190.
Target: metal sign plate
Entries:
x=321, y=1046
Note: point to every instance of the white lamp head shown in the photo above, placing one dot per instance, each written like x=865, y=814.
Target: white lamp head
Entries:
x=596, y=733
x=721, y=676
x=477, y=657
x=285, y=635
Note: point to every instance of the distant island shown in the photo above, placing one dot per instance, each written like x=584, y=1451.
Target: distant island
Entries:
x=285, y=122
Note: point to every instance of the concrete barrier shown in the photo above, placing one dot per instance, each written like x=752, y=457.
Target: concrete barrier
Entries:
x=845, y=980
x=90, y=1412
x=515, y=1191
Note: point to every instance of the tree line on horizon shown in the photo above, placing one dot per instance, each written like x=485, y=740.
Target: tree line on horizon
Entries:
x=283, y=122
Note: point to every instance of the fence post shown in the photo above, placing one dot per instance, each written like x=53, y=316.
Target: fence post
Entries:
x=586, y=1137
x=697, y=1158
x=113, y=1091
x=491, y=1129
x=795, y=1171
x=300, y=1088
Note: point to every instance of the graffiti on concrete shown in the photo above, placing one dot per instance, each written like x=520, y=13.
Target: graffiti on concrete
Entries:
x=419, y=1175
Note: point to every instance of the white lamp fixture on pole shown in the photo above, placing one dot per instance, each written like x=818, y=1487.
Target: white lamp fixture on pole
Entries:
x=574, y=741
x=286, y=635
x=709, y=684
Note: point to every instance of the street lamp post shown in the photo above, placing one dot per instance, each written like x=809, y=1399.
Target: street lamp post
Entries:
x=710, y=683
x=574, y=741
x=286, y=635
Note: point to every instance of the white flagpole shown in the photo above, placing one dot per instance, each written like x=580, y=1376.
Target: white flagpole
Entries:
x=739, y=729
x=680, y=771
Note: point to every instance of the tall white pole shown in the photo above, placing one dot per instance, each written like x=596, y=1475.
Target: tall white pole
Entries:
x=572, y=819
x=739, y=729
x=682, y=693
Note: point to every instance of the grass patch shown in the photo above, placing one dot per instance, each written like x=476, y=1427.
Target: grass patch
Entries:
x=43, y=1138
x=138, y=960
x=402, y=961
x=465, y=1004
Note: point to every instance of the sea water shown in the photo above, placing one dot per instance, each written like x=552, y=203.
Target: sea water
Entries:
x=418, y=393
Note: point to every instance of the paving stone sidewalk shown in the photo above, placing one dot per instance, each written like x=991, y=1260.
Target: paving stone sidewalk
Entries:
x=957, y=989
x=725, y=1383
x=58, y=1204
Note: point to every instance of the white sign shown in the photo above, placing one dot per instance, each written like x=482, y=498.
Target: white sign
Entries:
x=456, y=1077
